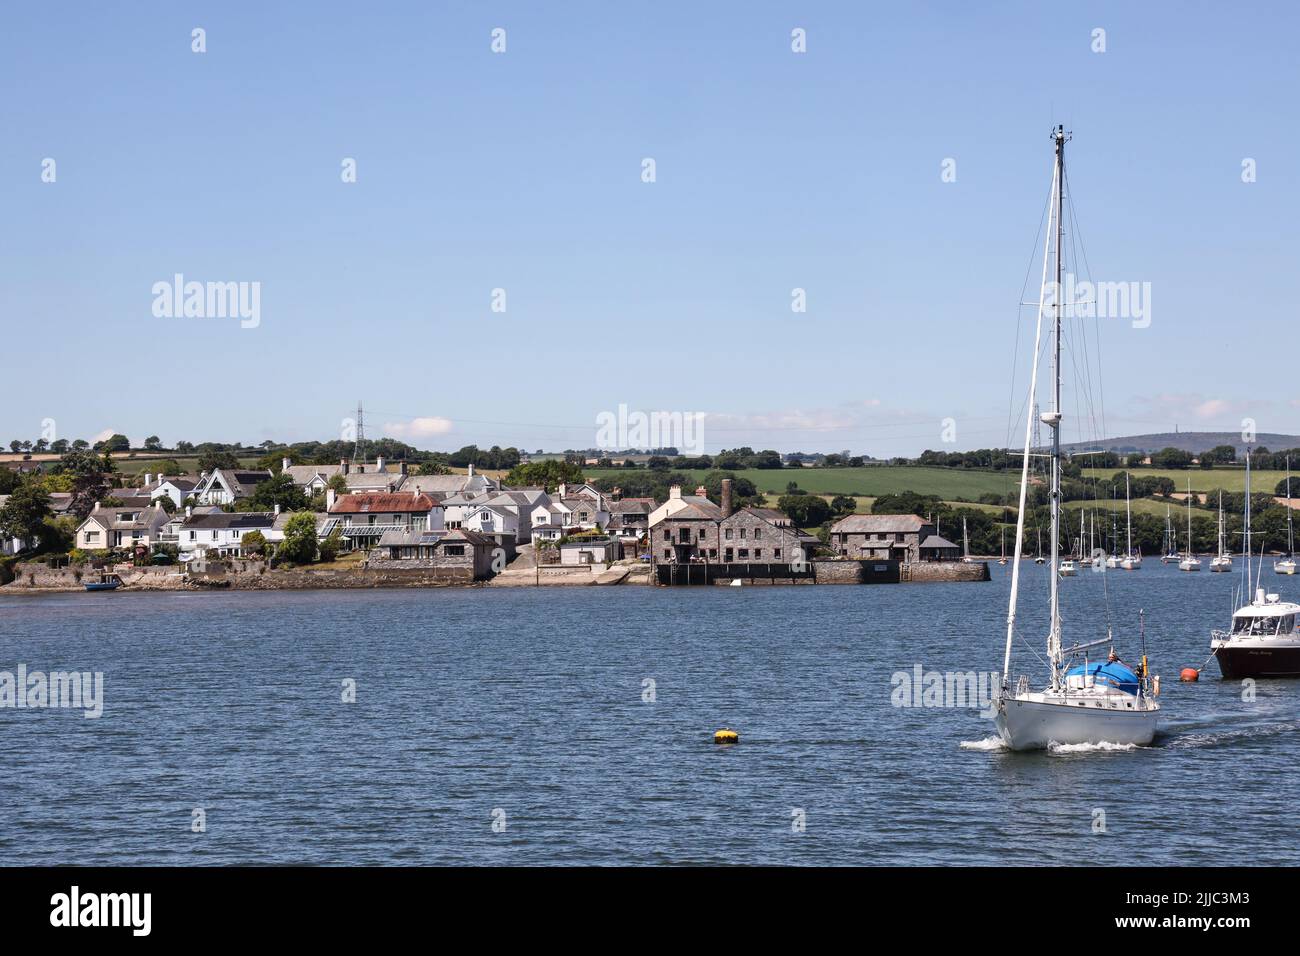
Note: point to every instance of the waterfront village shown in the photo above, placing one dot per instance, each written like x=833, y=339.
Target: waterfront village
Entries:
x=382, y=524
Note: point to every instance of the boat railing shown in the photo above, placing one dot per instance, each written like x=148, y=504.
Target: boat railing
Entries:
x=1022, y=685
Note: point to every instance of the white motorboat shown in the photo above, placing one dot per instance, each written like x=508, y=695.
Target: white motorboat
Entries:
x=1091, y=703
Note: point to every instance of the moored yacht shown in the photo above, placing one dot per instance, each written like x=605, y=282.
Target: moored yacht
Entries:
x=1089, y=703
x=1286, y=565
x=1223, y=560
x=1189, y=562
x=1263, y=641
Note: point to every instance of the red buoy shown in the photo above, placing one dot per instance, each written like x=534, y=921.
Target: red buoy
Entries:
x=1189, y=674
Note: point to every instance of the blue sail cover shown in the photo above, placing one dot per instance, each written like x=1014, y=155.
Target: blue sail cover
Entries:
x=1113, y=673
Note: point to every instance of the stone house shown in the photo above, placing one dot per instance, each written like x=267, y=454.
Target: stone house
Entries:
x=465, y=555
x=761, y=535
x=896, y=537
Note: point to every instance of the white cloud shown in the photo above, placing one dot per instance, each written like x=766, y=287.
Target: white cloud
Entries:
x=418, y=428
x=105, y=435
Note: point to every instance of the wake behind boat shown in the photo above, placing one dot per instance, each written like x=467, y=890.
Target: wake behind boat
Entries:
x=1089, y=703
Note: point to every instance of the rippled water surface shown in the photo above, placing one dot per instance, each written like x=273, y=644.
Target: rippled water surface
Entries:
x=530, y=702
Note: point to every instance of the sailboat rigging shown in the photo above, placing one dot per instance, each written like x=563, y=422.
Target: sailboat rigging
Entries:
x=1092, y=702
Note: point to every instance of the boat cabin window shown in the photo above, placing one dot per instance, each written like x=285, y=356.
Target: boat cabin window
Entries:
x=1263, y=626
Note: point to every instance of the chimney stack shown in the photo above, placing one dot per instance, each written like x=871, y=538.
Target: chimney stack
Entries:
x=284, y=464
x=561, y=490
x=344, y=466
x=189, y=511
x=726, y=497
x=96, y=508
x=674, y=491
x=471, y=469
x=148, y=478
x=701, y=491
x=329, y=498
x=402, y=466
x=277, y=509
x=379, y=465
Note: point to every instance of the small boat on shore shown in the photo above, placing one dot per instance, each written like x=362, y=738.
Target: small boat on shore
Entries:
x=106, y=582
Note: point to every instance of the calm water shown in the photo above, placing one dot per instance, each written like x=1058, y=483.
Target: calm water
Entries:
x=527, y=701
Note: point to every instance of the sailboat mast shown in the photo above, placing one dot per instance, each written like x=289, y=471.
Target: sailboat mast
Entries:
x=1250, y=594
x=1128, y=518
x=1053, y=418
x=1024, y=464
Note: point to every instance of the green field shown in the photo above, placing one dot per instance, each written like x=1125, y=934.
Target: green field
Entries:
x=869, y=482
x=1229, y=479
x=1141, y=506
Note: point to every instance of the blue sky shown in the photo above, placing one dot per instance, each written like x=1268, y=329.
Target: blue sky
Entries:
x=522, y=171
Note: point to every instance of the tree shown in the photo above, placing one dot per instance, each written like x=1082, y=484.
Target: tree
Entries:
x=114, y=443
x=212, y=460
x=299, y=545
x=59, y=446
x=253, y=542
x=1171, y=458
x=152, y=443
x=843, y=505
x=330, y=547
x=87, y=470
x=279, y=490
x=25, y=513
x=548, y=474
x=338, y=483
x=806, y=511
x=16, y=445
x=433, y=468
x=80, y=444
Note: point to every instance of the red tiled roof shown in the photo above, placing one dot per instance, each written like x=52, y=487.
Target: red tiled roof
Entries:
x=373, y=503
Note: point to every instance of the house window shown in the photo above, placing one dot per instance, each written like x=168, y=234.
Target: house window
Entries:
x=727, y=534
x=668, y=535
x=456, y=549
x=704, y=533
x=758, y=533
x=758, y=553
x=742, y=533
x=668, y=552
x=94, y=536
x=744, y=552
x=776, y=552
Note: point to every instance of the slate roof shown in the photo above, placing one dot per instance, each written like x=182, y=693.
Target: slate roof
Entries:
x=879, y=524
x=230, y=520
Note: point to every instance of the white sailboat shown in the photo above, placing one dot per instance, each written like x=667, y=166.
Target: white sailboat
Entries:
x=1040, y=559
x=1189, y=562
x=1287, y=565
x=1092, y=703
x=1132, y=560
x=1003, y=559
x=1223, y=560
x=1171, y=544
x=1069, y=567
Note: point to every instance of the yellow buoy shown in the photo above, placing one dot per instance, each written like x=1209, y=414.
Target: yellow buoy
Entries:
x=726, y=737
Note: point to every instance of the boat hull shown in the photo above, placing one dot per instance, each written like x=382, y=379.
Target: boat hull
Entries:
x=1034, y=725
x=1238, y=662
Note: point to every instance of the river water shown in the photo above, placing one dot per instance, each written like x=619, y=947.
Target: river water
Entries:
x=513, y=726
